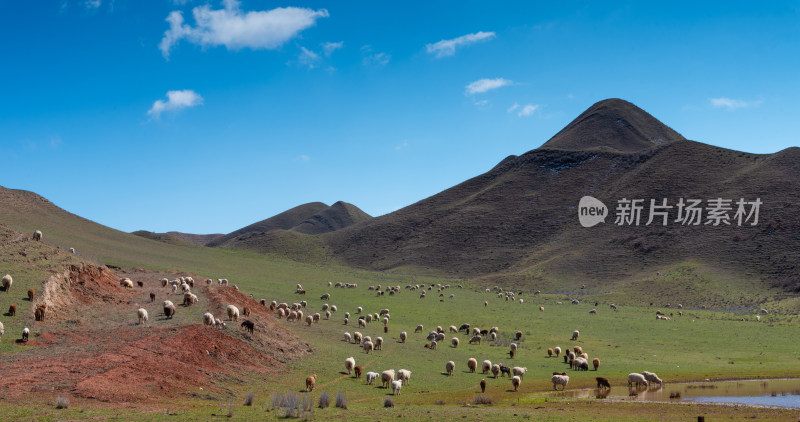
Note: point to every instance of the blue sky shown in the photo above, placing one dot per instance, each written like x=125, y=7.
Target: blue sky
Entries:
x=207, y=116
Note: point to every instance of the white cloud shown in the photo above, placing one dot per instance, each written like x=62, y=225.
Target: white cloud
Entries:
x=236, y=29
x=303, y=158
x=329, y=47
x=483, y=85
x=732, y=104
x=481, y=103
x=528, y=110
x=176, y=100
x=92, y=4
x=308, y=58
x=377, y=59
x=401, y=146
x=446, y=48
x=512, y=108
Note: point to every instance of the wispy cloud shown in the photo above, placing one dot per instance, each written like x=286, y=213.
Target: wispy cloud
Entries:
x=484, y=85
x=446, y=48
x=176, y=100
x=731, y=104
x=92, y=4
x=236, y=29
x=513, y=107
x=403, y=145
x=303, y=158
x=329, y=47
x=528, y=110
x=481, y=103
x=374, y=59
x=308, y=58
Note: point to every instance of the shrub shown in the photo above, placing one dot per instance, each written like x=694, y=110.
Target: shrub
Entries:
x=482, y=399
x=388, y=402
x=249, y=400
x=341, y=400
x=62, y=402
x=324, y=400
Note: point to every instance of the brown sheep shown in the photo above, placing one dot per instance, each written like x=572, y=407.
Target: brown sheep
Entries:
x=549, y=352
x=31, y=294
x=310, y=381
x=472, y=364
x=248, y=325
x=152, y=296
x=12, y=310
x=578, y=350
x=483, y=386
x=596, y=363
x=169, y=310
x=246, y=311
x=358, y=370
x=511, y=353
x=602, y=382
x=518, y=335
x=515, y=382
x=263, y=302
x=39, y=314
x=385, y=328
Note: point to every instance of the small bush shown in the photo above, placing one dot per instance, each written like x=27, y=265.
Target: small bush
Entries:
x=307, y=404
x=388, y=402
x=341, y=400
x=291, y=404
x=249, y=400
x=482, y=399
x=62, y=402
x=324, y=400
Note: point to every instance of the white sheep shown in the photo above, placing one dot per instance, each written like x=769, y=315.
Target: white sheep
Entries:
x=652, y=378
x=349, y=364
x=218, y=323
x=309, y=320
x=357, y=337
x=37, y=235
x=26, y=332
x=472, y=364
x=387, y=377
x=378, y=343
x=416, y=330
x=359, y=310
x=433, y=345
x=516, y=381
x=347, y=337
x=403, y=336
x=371, y=377
x=557, y=350
x=575, y=334
x=496, y=370
x=396, y=386
x=453, y=329
x=2, y=330
x=404, y=375
x=71, y=250
x=126, y=283
x=7, y=282
x=449, y=367
x=561, y=380
x=486, y=366
x=362, y=323
x=233, y=312
x=475, y=339
x=638, y=379
x=520, y=371
x=208, y=318
x=454, y=341
x=142, y=315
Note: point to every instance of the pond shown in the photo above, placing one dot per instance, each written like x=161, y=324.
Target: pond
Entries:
x=768, y=392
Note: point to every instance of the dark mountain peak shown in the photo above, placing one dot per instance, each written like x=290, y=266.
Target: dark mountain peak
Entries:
x=337, y=216
x=613, y=125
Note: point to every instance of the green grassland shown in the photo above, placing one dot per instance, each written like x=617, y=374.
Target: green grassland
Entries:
x=698, y=345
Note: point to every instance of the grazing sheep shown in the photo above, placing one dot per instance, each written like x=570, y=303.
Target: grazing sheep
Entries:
x=12, y=310
x=378, y=343
x=472, y=364
x=7, y=282
x=31, y=294
x=152, y=297
x=495, y=370
x=349, y=364
x=357, y=337
x=515, y=381
x=557, y=351
x=578, y=350
x=362, y=323
x=520, y=371
x=367, y=346
x=541, y=309
x=404, y=375
x=440, y=337
x=387, y=377
x=359, y=310
x=575, y=334
x=593, y=311
x=505, y=370
x=233, y=313
x=310, y=381
x=464, y=327
x=208, y=319
x=248, y=325
x=486, y=366
x=367, y=338
x=596, y=363
x=25, y=334
x=549, y=352
x=475, y=339
x=40, y=312
x=652, y=378
x=309, y=320
x=347, y=337
x=485, y=303
x=246, y=311
x=326, y=296
x=758, y=318
x=126, y=283
x=169, y=309
x=433, y=345
x=514, y=346
x=403, y=336
x=449, y=367
x=218, y=323
x=518, y=335
x=637, y=379
x=142, y=312
x=511, y=353
x=37, y=235
x=561, y=380
x=358, y=370
x=418, y=329
x=602, y=382
x=396, y=386
x=371, y=377
x=483, y=385
x=2, y=330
